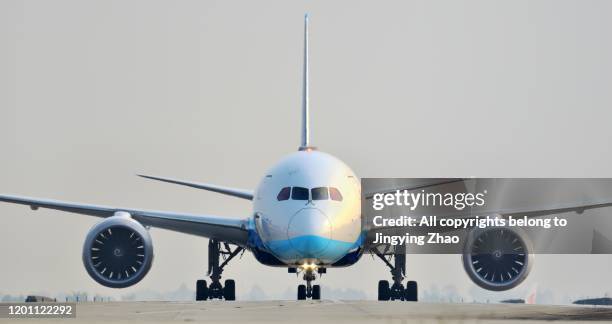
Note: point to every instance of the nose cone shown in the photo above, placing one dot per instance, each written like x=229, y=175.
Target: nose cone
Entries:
x=309, y=232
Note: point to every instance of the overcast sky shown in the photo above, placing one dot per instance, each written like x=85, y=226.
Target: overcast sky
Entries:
x=92, y=92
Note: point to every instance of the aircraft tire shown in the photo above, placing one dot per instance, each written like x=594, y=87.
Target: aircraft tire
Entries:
x=229, y=290
x=301, y=293
x=316, y=292
x=411, y=293
x=383, y=290
x=201, y=290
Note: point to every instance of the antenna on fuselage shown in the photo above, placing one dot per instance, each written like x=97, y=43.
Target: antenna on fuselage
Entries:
x=305, y=145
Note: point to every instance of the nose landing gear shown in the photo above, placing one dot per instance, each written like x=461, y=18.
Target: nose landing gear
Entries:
x=216, y=250
x=309, y=290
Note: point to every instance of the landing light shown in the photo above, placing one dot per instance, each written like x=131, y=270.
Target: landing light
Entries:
x=309, y=266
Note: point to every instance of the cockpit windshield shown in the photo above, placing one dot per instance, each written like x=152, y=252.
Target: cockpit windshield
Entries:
x=335, y=194
x=320, y=193
x=301, y=193
x=284, y=194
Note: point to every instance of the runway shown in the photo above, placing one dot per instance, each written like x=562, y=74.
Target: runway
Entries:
x=326, y=311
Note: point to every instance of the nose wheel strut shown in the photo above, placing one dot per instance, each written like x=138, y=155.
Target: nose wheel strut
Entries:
x=216, y=290
x=309, y=290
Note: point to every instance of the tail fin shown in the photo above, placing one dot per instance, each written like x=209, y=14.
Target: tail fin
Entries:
x=305, y=144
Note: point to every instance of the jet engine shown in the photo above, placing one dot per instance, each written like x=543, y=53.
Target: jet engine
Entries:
x=497, y=258
x=118, y=251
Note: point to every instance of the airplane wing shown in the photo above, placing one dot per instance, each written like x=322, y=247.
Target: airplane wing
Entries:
x=240, y=193
x=227, y=229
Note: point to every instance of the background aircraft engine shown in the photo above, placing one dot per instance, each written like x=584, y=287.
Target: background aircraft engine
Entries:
x=497, y=258
x=118, y=252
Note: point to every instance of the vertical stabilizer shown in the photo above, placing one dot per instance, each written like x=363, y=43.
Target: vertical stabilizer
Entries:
x=305, y=144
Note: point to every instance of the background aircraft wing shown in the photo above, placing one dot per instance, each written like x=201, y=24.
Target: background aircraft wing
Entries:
x=227, y=229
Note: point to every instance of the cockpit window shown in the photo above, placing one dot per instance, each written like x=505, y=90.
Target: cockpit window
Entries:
x=335, y=194
x=299, y=193
x=320, y=193
x=284, y=194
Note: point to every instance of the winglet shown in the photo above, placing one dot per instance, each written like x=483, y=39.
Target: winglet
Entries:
x=305, y=144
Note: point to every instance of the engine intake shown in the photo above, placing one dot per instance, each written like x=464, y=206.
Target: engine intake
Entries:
x=497, y=258
x=118, y=252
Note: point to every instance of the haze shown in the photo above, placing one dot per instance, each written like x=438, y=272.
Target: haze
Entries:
x=93, y=92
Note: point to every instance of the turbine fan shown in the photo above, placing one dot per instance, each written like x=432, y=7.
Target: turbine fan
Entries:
x=118, y=252
x=497, y=258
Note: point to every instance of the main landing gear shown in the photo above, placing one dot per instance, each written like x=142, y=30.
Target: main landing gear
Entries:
x=396, y=291
x=309, y=290
x=216, y=250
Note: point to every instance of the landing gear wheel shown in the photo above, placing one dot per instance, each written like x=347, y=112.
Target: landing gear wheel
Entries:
x=201, y=290
x=383, y=290
x=301, y=295
x=229, y=291
x=316, y=292
x=411, y=293
x=216, y=290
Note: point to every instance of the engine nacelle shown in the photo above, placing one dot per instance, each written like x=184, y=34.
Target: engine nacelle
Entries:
x=118, y=251
x=497, y=258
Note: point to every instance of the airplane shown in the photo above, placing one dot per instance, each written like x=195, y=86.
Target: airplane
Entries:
x=306, y=217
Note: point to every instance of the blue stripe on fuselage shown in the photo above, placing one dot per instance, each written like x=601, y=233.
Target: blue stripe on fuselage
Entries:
x=284, y=250
x=310, y=246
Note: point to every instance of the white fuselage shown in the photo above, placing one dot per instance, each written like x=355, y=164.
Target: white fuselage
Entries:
x=308, y=209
